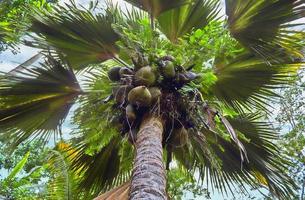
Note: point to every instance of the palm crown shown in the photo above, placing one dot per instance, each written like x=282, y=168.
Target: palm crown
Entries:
x=175, y=67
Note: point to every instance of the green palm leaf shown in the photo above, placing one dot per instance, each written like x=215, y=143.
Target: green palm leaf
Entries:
x=178, y=21
x=264, y=168
x=103, y=170
x=156, y=7
x=248, y=81
x=101, y=157
x=83, y=37
x=35, y=101
x=18, y=168
x=267, y=27
x=63, y=183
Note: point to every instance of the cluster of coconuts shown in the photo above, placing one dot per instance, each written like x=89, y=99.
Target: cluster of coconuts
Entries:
x=142, y=86
x=136, y=88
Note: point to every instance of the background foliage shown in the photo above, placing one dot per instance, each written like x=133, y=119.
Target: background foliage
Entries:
x=14, y=20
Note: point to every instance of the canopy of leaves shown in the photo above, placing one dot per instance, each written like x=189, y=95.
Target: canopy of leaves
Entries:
x=268, y=27
x=81, y=36
x=238, y=64
x=17, y=185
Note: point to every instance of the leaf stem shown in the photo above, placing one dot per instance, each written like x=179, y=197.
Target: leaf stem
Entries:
x=152, y=25
x=119, y=60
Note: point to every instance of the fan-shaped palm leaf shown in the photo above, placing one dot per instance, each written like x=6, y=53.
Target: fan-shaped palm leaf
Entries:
x=35, y=101
x=156, y=7
x=120, y=192
x=179, y=21
x=100, y=156
x=248, y=81
x=103, y=170
x=83, y=37
x=266, y=27
x=265, y=166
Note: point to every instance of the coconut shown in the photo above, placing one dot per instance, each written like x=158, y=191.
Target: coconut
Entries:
x=179, y=137
x=155, y=93
x=130, y=113
x=168, y=69
x=114, y=74
x=145, y=76
x=125, y=71
x=120, y=93
x=140, y=96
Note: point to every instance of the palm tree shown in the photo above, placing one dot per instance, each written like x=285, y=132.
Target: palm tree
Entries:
x=165, y=82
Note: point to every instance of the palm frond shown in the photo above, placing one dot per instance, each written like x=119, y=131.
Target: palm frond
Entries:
x=34, y=101
x=247, y=81
x=265, y=168
x=83, y=37
x=103, y=170
x=268, y=27
x=156, y=7
x=102, y=158
x=27, y=63
x=121, y=192
x=182, y=20
x=62, y=184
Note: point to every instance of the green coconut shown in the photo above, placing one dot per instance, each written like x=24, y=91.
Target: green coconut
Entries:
x=140, y=96
x=145, y=76
x=155, y=93
x=114, y=74
x=120, y=93
x=130, y=113
x=179, y=137
x=169, y=69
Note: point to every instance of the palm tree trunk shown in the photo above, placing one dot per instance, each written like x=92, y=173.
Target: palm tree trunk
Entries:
x=148, y=180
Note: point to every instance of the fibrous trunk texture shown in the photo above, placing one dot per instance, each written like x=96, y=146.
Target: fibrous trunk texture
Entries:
x=148, y=180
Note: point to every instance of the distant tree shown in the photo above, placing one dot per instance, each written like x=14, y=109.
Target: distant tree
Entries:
x=18, y=185
x=14, y=19
x=181, y=183
x=9, y=158
x=291, y=122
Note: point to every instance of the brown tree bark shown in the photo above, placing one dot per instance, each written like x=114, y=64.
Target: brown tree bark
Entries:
x=148, y=180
